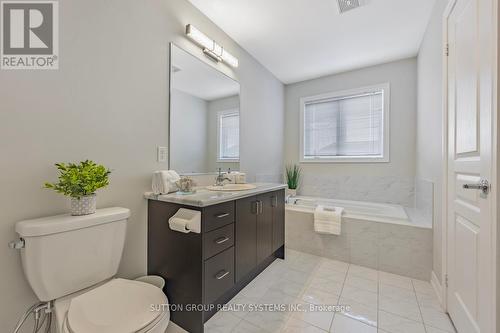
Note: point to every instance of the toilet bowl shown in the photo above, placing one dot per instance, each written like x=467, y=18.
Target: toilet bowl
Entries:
x=116, y=306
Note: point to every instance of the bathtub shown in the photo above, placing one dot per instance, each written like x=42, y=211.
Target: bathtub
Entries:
x=371, y=211
x=375, y=235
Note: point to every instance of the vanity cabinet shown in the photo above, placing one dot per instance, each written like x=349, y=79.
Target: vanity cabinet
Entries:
x=259, y=230
x=219, y=275
x=217, y=216
x=218, y=240
x=238, y=239
x=264, y=217
x=246, y=234
x=278, y=204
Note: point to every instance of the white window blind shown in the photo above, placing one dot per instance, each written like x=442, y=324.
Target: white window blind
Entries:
x=346, y=126
x=229, y=136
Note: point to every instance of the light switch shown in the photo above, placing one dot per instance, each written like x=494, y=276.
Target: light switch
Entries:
x=162, y=154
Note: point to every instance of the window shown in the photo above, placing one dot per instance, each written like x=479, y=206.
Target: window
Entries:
x=347, y=126
x=228, y=136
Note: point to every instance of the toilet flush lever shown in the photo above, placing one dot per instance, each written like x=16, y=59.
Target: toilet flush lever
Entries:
x=17, y=244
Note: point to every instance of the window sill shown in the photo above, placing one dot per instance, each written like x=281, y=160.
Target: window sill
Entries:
x=347, y=159
x=228, y=161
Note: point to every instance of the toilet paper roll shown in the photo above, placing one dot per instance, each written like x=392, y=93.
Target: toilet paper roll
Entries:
x=178, y=224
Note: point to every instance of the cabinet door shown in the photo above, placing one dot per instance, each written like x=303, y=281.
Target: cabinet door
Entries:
x=246, y=236
x=278, y=219
x=264, y=226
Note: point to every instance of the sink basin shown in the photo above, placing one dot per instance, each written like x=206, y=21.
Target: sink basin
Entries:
x=232, y=187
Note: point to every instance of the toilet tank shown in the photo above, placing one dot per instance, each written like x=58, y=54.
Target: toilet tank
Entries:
x=64, y=254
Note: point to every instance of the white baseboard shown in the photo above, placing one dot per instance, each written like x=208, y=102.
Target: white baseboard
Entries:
x=437, y=287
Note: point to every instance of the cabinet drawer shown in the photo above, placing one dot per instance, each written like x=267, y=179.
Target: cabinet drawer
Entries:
x=218, y=240
x=218, y=216
x=219, y=275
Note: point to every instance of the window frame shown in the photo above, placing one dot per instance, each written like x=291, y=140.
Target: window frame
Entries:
x=383, y=158
x=220, y=114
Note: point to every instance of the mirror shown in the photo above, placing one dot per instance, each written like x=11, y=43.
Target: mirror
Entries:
x=204, y=116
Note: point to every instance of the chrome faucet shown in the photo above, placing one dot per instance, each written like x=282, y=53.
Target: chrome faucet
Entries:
x=219, y=180
x=289, y=199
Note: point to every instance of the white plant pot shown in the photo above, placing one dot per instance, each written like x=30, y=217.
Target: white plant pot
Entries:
x=85, y=205
x=291, y=192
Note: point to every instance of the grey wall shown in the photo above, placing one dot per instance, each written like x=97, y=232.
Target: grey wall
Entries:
x=108, y=102
x=188, y=138
x=385, y=182
x=429, y=121
x=215, y=106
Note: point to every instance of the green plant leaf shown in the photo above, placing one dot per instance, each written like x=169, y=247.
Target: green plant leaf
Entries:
x=77, y=180
x=293, y=173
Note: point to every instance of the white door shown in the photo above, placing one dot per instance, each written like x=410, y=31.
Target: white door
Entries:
x=470, y=259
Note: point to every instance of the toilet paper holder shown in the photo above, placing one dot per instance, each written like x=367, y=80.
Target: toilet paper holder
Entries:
x=186, y=221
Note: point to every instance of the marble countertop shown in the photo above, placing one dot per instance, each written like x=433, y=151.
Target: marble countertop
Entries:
x=204, y=197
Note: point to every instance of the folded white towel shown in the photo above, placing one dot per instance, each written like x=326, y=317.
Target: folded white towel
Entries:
x=164, y=181
x=174, y=176
x=327, y=220
x=156, y=183
x=237, y=177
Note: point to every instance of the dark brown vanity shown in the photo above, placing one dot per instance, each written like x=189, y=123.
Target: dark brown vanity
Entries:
x=239, y=238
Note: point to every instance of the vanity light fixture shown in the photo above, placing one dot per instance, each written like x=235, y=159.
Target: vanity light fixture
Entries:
x=210, y=47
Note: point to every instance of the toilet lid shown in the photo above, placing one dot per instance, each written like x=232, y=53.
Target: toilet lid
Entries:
x=118, y=306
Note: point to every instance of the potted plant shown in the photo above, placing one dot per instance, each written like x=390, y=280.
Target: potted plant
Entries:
x=293, y=173
x=80, y=182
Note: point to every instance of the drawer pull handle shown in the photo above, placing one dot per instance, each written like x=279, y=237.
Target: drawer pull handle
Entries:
x=222, y=274
x=221, y=240
x=222, y=215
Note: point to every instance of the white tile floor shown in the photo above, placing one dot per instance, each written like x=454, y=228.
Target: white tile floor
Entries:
x=379, y=302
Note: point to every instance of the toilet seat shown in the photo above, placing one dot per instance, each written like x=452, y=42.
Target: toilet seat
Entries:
x=118, y=306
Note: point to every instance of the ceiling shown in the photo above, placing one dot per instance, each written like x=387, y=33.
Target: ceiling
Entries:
x=194, y=77
x=304, y=39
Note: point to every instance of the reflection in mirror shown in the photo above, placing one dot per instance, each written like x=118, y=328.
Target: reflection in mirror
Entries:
x=204, y=116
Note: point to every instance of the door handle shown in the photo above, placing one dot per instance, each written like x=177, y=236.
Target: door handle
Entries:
x=483, y=185
x=222, y=274
x=255, y=207
x=221, y=240
x=260, y=207
x=222, y=215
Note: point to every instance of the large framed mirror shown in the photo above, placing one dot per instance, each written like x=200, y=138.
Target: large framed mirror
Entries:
x=204, y=116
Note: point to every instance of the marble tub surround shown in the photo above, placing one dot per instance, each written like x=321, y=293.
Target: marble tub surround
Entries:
x=204, y=197
x=268, y=178
x=386, y=189
x=399, y=249
x=379, y=302
x=418, y=217
x=424, y=199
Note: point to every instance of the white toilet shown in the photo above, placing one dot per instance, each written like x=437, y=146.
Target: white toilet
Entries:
x=72, y=260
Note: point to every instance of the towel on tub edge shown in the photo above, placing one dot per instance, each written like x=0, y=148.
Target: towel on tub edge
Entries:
x=327, y=220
